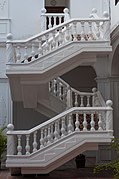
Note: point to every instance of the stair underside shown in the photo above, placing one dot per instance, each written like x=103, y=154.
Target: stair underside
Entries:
x=50, y=107
x=55, y=155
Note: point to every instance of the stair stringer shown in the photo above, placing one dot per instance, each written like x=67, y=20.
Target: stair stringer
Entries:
x=55, y=155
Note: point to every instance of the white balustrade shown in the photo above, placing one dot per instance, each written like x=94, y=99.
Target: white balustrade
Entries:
x=49, y=20
x=21, y=51
x=75, y=119
x=74, y=98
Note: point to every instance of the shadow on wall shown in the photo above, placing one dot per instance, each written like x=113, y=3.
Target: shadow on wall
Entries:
x=81, y=78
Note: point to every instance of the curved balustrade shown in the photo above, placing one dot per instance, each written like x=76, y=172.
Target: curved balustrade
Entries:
x=74, y=30
x=76, y=119
x=74, y=98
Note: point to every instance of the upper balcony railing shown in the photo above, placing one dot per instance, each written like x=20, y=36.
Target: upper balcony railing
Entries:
x=82, y=30
x=49, y=20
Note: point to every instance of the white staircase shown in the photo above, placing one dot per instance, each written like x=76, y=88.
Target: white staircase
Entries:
x=58, y=140
x=84, y=120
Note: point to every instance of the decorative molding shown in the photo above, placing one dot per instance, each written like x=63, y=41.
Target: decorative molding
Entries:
x=53, y=2
x=4, y=29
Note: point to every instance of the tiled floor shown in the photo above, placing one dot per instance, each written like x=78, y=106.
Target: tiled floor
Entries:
x=84, y=173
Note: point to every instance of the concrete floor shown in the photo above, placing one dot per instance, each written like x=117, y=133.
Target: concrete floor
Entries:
x=84, y=173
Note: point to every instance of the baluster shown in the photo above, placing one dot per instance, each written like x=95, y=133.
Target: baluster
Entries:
x=45, y=137
x=58, y=127
x=54, y=40
x=54, y=21
x=83, y=32
x=90, y=31
x=25, y=55
x=56, y=132
x=67, y=37
x=27, y=145
x=57, y=88
x=54, y=87
x=52, y=133
x=70, y=126
x=49, y=85
x=60, y=91
x=84, y=122
x=35, y=142
x=75, y=31
x=40, y=50
x=49, y=138
x=69, y=97
x=19, y=147
x=88, y=101
x=60, y=19
x=18, y=55
x=50, y=25
x=65, y=95
x=92, y=123
x=76, y=100
x=98, y=31
x=47, y=44
x=42, y=139
x=33, y=52
x=81, y=105
x=60, y=36
x=63, y=128
x=100, y=123
x=77, y=122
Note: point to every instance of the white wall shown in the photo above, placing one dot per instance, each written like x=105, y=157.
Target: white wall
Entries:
x=82, y=8
x=25, y=17
x=114, y=14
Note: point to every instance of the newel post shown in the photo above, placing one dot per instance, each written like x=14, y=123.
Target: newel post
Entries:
x=109, y=116
x=69, y=97
x=43, y=19
x=9, y=49
x=10, y=140
x=94, y=103
x=66, y=14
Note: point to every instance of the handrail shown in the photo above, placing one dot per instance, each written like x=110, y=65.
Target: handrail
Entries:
x=57, y=27
x=71, y=110
x=61, y=34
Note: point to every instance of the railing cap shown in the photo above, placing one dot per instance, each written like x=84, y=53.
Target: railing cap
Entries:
x=109, y=103
x=43, y=11
x=94, y=90
x=10, y=127
x=66, y=10
x=94, y=10
x=105, y=14
x=9, y=36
